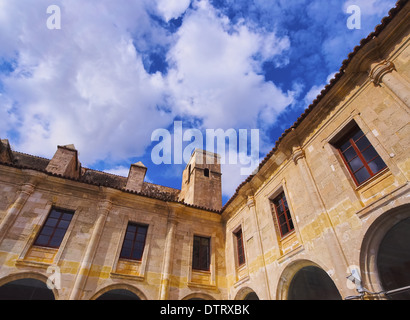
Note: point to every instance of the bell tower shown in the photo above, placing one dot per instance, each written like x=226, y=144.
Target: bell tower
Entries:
x=201, y=180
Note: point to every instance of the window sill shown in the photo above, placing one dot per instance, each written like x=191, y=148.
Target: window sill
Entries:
x=34, y=264
x=373, y=180
x=124, y=276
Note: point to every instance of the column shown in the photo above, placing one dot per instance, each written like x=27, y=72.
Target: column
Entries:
x=335, y=251
x=252, y=210
x=103, y=209
x=385, y=73
x=168, y=258
x=13, y=212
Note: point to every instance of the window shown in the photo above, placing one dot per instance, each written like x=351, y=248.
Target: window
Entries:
x=359, y=155
x=134, y=241
x=201, y=253
x=206, y=172
x=239, y=247
x=280, y=206
x=54, y=229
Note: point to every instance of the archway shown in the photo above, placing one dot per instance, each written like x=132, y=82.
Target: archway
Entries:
x=385, y=253
x=246, y=294
x=393, y=259
x=118, y=294
x=198, y=296
x=26, y=289
x=312, y=283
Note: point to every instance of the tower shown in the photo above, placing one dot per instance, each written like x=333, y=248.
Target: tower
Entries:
x=201, y=180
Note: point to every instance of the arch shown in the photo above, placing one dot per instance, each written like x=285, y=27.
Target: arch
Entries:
x=26, y=286
x=246, y=293
x=301, y=271
x=379, y=235
x=119, y=292
x=198, y=296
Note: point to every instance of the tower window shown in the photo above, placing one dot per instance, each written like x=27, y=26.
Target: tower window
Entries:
x=134, y=242
x=54, y=229
x=206, y=172
x=359, y=156
x=201, y=253
x=281, y=208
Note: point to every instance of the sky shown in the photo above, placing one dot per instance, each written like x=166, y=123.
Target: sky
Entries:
x=105, y=75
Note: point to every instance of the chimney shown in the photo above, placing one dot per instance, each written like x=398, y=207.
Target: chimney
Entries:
x=65, y=162
x=136, y=176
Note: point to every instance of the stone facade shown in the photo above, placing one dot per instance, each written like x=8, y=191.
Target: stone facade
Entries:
x=338, y=224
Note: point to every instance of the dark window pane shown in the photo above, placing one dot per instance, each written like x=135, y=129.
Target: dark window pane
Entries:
x=282, y=219
x=51, y=222
x=369, y=154
x=140, y=237
x=132, y=228
x=47, y=231
x=55, y=214
x=42, y=240
x=377, y=164
x=349, y=154
x=55, y=241
x=362, y=143
x=137, y=254
x=291, y=225
x=125, y=252
x=67, y=216
x=127, y=244
x=64, y=224
x=129, y=236
x=284, y=229
x=356, y=164
x=362, y=175
x=346, y=145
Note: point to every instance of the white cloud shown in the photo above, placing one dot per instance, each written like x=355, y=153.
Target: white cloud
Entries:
x=119, y=171
x=84, y=84
x=172, y=8
x=215, y=71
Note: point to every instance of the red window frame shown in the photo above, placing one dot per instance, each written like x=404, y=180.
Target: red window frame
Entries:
x=201, y=253
x=357, y=144
x=54, y=228
x=134, y=241
x=239, y=247
x=283, y=215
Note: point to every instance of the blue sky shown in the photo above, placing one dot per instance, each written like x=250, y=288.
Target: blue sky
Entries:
x=118, y=70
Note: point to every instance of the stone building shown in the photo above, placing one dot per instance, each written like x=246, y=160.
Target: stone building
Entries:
x=331, y=199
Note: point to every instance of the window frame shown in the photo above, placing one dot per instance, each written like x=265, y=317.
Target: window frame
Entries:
x=240, y=249
x=348, y=137
x=198, y=265
x=54, y=228
x=279, y=198
x=134, y=241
